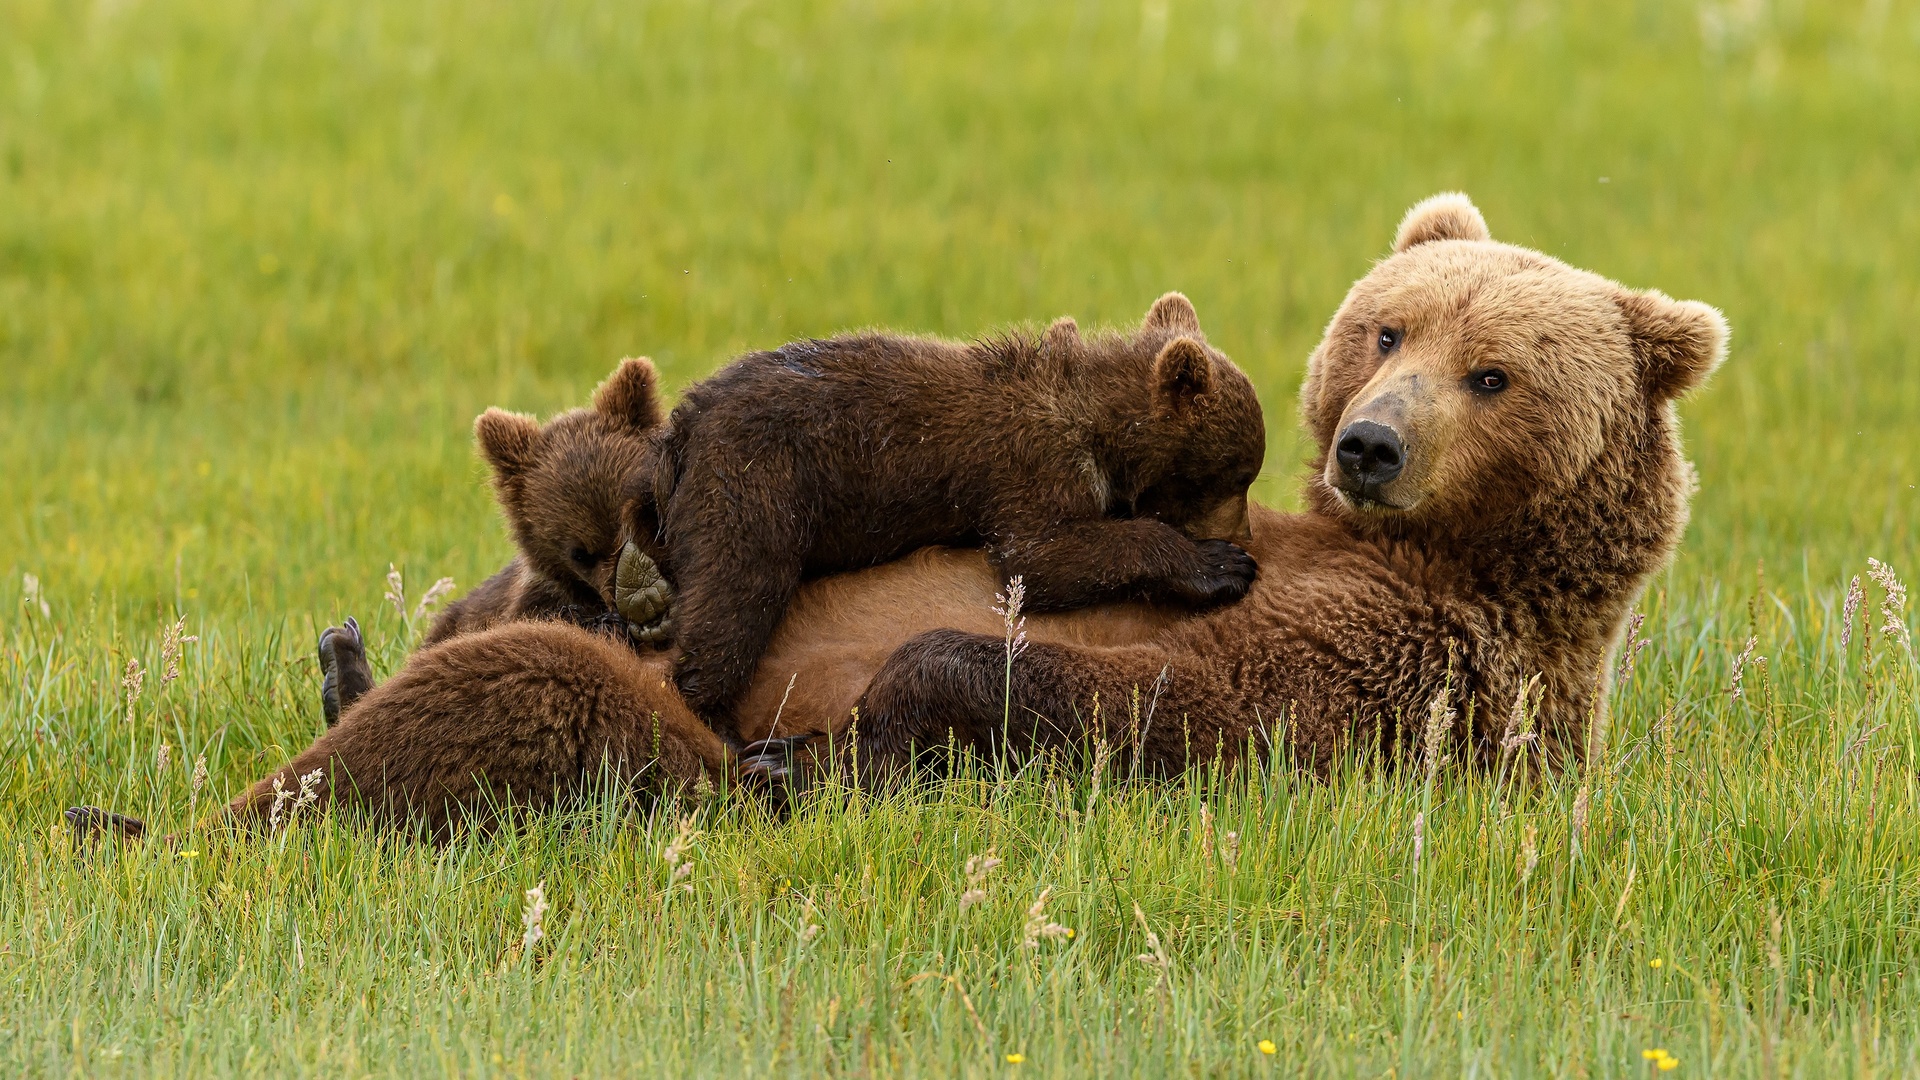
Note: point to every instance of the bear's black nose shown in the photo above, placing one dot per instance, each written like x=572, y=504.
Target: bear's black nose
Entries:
x=1370, y=453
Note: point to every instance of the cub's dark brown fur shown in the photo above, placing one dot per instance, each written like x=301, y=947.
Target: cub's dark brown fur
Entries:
x=1096, y=469
x=560, y=486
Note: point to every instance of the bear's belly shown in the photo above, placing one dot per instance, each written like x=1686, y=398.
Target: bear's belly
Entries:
x=839, y=630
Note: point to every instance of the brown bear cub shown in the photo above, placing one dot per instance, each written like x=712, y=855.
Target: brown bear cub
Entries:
x=560, y=486
x=1103, y=468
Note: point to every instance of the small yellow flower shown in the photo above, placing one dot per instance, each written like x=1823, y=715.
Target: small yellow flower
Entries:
x=1667, y=1064
x=1653, y=1055
x=1069, y=933
x=189, y=854
x=1267, y=1047
x=1655, y=962
x=1015, y=1059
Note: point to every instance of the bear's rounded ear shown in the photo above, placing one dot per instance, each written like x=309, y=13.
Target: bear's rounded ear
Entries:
x=1446, y=216
x=509, y=441
x=1173, y=312
x=631, y=394
x=1678, y=342
x=1183, y=371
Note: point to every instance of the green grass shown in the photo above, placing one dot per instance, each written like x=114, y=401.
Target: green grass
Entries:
x=260, y=264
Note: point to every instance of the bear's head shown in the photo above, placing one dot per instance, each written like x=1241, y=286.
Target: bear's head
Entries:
x=561, y=484
x=1192, y=458
x=1467, y=385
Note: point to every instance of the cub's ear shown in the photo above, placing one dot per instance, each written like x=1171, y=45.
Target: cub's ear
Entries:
x=1172, y=312
x=1678, y=342
x=631, y=394
x=1183, y=371
x=509, y=441
x=1446, y=216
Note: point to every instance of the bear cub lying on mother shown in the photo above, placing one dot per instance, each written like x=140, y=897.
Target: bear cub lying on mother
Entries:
x=1098, y=468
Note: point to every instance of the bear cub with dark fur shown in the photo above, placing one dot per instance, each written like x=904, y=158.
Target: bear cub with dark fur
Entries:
x=560, y=486
x=1107, y=467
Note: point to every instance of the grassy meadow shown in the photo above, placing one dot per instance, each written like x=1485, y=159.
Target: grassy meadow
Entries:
x=262, y=262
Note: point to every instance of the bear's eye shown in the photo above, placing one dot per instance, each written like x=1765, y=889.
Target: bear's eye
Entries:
x=1389, y=340
x=1488, y=381
x=581, y=556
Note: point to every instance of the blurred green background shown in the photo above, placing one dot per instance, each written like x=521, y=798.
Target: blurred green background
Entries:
x=261, y=263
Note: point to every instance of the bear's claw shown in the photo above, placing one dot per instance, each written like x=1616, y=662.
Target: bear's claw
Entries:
x=344, y=674
x=90, y=822
x=772, y=759
x=1228, y=572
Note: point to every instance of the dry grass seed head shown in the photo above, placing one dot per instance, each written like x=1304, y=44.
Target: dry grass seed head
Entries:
x=977, y=869
x=1437, y=739
x=133, y=682
x=1520, y=721
x=396, y=591
x=172, y=643
x=1849, y=609
x=1039, y=928
x=1735, y=689
x=1631, y=650
x=1008, y=606
x=676, y=853
x=433, y=594
x=1893, y=604
x=533, y=917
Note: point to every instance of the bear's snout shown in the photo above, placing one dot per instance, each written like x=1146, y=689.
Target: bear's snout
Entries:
x=1370, y=455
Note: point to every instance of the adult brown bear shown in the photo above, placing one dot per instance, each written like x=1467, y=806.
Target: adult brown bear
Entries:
x=1499, y=473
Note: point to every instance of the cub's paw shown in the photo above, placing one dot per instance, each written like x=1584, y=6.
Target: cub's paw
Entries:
x=657, y=634
x=644, y=597
x=1224, y=574
x=344, y=674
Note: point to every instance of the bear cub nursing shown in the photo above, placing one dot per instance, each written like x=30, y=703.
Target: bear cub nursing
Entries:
x=1106, y=467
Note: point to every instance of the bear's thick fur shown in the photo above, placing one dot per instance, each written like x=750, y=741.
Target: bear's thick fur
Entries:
x=1500, y=472
x=546, y=705
x=1096, y=469
x=560, y=486
x=1539, y=481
